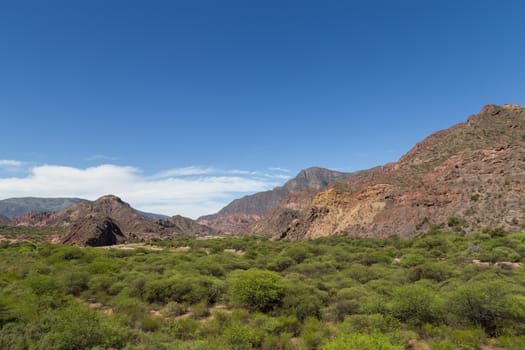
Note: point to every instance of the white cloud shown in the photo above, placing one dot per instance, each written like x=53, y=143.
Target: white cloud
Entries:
x=187, y=171
x=190, y=191
x=8, y=163
x=284, y=170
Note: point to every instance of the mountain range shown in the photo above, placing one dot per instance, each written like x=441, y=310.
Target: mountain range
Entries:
x=12, y=207
x=465, y=178
x=468, y=177
x=106, y=221
x=238, y=216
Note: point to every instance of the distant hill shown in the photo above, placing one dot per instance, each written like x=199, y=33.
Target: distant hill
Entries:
x=153, y=215
x=12, y=207
x=237, y=216
x=465, y=178
x=111, y=220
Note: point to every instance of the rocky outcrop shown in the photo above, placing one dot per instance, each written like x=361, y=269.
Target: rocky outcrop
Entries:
x=85, y=219
x=32, y=218
x=466, y=178
x=94, y=231
x=182, y=224
x=240, y=215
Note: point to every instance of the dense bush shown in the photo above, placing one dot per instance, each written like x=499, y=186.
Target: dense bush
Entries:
x=440, y=291
x=357, y=341
x=256, y=290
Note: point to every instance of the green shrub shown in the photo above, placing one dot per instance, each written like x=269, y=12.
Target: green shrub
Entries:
x=75, y=282
x=415, y=304
x=410, y=260
x=43, y=284
x=238, y=337
x=257, y=290
x=370, y=324
x=504, y=254
x=314, y=333
x=511, y=342
x=173, y=309
x=200, y=310
x=436, y=271
x=184, y=329
x=357, y=341
x=13, y=337
x=78, y=327
x=489, y=305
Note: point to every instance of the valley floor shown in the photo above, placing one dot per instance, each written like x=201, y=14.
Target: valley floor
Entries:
x=439, y=291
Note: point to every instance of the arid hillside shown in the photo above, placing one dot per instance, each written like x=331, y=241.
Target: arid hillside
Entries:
x=238, y=216
x=467, y=177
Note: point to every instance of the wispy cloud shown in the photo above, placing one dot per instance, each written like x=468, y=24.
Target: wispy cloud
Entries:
x=186, y=171
x=12, y=167
x=9, y=163
x=284, y=170
x=190, y=191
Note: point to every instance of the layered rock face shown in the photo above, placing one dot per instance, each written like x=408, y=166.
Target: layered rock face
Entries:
x=94, y=231
x=468, y=177
x=239, y=216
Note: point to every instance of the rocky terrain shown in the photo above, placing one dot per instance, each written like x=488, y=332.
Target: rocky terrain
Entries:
x=109, y=220
x=95, y=231
x=238, y=216
x=27, y=210
x=466, y=178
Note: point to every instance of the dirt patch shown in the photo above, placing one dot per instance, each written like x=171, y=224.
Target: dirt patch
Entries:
x=130, y=246
x=491, y=345
x=183, y=249
x=234, y=251
x=155, y=313
x=507, y=265
x=99, y=307
x=184, y=316
x=12, y=240
x=480, y=263
x=417, y=345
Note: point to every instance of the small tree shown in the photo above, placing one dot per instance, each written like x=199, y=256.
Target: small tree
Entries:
x=490, y=305
x=356, y=341
x=256, y=290
x=416, y=305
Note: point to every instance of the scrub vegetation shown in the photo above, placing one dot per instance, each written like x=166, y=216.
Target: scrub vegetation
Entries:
x=439, y=291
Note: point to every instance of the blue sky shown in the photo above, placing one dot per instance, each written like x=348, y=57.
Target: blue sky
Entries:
x=193, y=93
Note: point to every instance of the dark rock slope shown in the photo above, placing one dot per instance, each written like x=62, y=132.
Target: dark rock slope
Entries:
x=95, y=231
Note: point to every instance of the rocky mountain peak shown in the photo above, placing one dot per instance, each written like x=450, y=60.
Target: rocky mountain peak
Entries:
x=110, y=198
x=313, y=178
x=472, y=172
x=237, y=216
